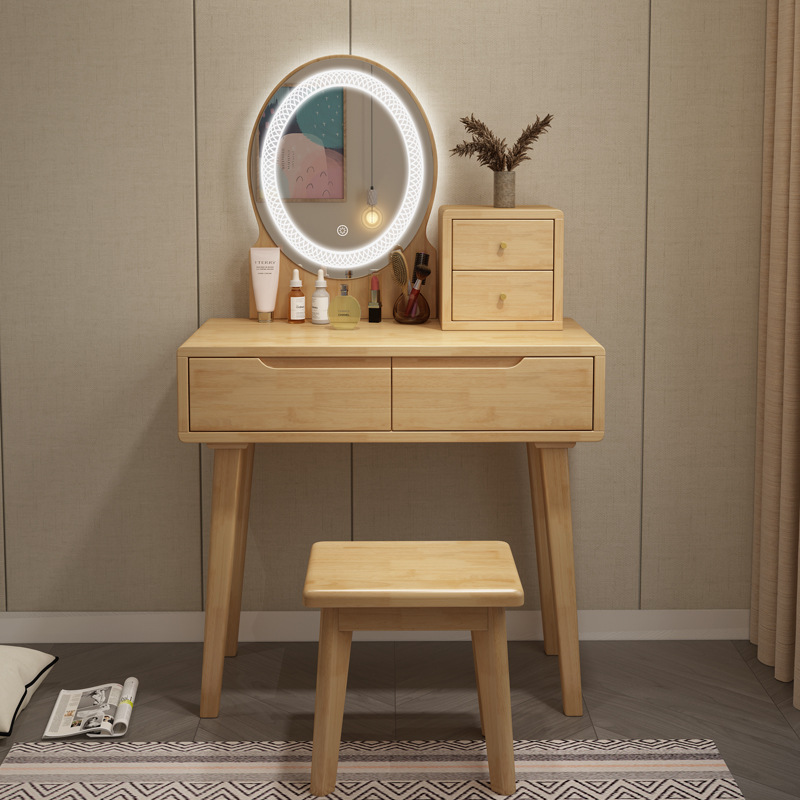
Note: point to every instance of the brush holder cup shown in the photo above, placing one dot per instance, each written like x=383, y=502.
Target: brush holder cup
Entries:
x=420, y=312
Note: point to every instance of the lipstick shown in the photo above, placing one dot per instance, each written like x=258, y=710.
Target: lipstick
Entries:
x=374, y=305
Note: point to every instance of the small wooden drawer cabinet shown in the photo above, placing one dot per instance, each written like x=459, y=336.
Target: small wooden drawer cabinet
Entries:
x=501, y=268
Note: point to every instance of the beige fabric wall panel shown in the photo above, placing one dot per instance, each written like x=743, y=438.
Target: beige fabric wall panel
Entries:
x=706, y=112
x=2, y=539
x=450, y=492
x=244, y=49
x=99, y=289
x=586, y=63
x=300, y=495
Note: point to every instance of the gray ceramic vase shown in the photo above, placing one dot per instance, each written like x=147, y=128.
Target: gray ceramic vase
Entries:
x=504, y=190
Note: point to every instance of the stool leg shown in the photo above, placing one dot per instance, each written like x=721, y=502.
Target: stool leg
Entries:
x=491, y=656
x=332, y=664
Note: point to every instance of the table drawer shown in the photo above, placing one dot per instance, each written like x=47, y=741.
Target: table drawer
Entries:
x=478, y=244
x=530, y=394
x=289, y=394
x=502, y=295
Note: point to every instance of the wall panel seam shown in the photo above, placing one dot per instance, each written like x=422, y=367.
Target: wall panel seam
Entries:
x=197, y=286
x=352, y=493
x=644, y=291
x=3, y=495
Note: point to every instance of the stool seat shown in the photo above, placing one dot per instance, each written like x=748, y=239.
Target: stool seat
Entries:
x=406, y=585
x=412, y=574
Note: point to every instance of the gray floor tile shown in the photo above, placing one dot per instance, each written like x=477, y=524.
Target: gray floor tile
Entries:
x=436, y=692
x=244, y=718
x=691, y=689
x=437, y=696
x=757, y=791
x=426, y=690
x=269, y=691
x=782, y=693
x=536, y=696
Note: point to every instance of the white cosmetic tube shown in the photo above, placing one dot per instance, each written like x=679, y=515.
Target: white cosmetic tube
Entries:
x=265, y=268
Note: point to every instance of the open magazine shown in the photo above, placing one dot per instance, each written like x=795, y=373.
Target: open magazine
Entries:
x=99, y=711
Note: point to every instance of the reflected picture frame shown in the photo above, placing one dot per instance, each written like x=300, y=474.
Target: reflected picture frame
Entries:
x=313, y=147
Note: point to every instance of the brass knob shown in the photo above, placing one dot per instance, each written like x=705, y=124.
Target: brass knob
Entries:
x=503, y=296
x=503, y=245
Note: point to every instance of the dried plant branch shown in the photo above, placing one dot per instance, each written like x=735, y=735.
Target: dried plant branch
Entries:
x=519, y=152
x=491, y=151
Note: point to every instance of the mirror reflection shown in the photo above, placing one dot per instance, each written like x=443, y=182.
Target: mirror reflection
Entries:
x=342, y=166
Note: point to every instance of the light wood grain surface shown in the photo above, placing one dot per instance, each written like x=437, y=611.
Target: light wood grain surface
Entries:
x=333, y=663
x=402, y=586
x=245, y=337
x=234, y=394
x=502, y=243
x=490, y=653
x=409, y=574
x=501, y=269
x=248, y=382
x=459, y=394
x=502, y=295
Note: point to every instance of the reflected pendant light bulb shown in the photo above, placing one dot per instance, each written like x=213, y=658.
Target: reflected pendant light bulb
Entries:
x=372, y=216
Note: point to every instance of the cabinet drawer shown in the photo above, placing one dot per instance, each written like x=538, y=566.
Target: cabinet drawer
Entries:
x=289, y=394
x=502, y=295
x=530, y=394
x=477, y=244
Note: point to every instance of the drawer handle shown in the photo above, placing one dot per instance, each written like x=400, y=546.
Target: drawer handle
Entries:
x=503, y=296
x=300, y=364
x=503, y=245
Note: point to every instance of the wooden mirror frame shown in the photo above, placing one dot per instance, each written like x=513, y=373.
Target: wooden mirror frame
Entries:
x=358, y=287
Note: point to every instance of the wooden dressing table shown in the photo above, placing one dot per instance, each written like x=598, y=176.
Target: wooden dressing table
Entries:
x=242, y=383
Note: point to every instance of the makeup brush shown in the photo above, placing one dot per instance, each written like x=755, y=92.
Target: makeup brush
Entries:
x=399, y=267
x=421, y=273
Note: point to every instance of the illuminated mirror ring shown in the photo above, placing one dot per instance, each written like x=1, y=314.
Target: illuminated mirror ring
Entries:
x=350, y=79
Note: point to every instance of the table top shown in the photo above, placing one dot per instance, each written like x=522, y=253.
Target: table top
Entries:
x=246, y=337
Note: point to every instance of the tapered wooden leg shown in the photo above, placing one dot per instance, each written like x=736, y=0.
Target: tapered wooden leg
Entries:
x=491, y=652
x=243, y=517
x=542, y=552
x=332, y=665
x=477, y=682
x=230, y=468
x=558, y=513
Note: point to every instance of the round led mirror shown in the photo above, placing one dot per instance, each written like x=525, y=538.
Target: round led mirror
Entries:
x=342, y=166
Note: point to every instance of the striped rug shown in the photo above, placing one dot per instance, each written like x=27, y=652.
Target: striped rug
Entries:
x=643, y=769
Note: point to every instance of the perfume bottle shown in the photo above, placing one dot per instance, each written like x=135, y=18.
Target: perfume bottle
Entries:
x=344, y=310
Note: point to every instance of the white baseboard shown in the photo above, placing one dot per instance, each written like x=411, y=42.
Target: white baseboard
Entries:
x=19, y=627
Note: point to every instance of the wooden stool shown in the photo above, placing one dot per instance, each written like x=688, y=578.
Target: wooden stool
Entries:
x=413, y=586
